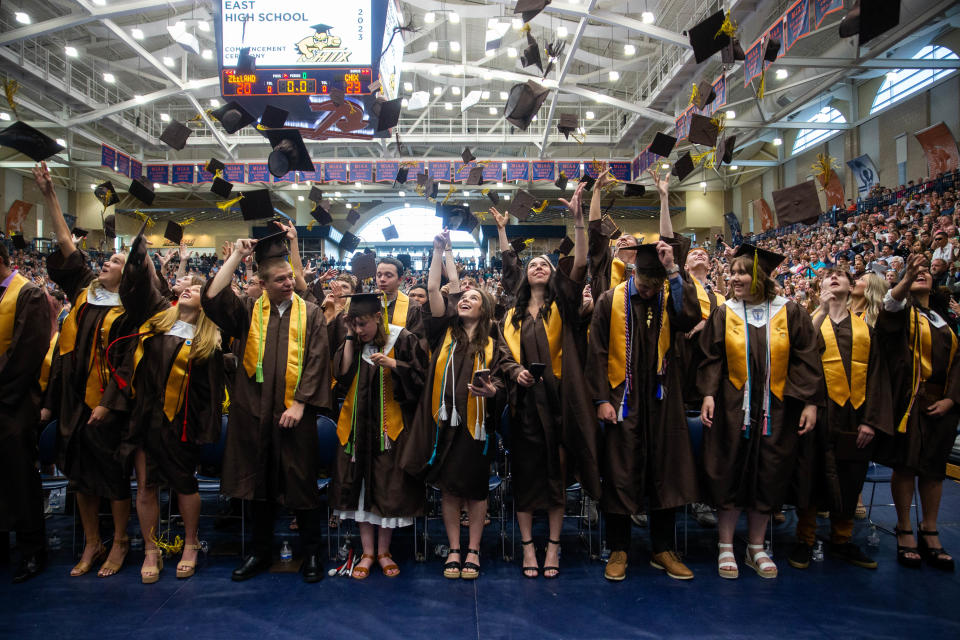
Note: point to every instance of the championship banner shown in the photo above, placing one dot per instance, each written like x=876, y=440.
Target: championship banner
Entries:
x=258, y=172
x=644, y=161
x=136, y=169
x=682, y=124
x=620, y=171
x=865, y=172
x=594, y=169
x=203, y=175
x=183, y=174
x=797, y=21
x=569, y=169
x=108, y=157
x=334, y=171
x=233, y=173
x=361, y=171
x=940, y=148
x=158, y=173
x=311, y=176
x=833, y=190
x=493, y=171
x=543, y=171
x=387, y=170
x=762, y=210
x=16, y=215
x=289, y=176
x=736, y=237
x=461, y=170
x=123, y=164
x=753, y=65
x=821, y=8
x=518, y=170
x=440, y=170
x=720, y=87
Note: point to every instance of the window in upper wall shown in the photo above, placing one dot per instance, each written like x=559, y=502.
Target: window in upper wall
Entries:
x=809, y=137
x=901, y=83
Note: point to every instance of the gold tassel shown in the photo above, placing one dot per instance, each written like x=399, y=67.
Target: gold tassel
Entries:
x=184, y=223
x=225, y=407
x=706, y=159
x=754, y=284
x=729, y=27
x=525, y=28
x=694, y=94
x=485, y=190
x=450, y=193
x=719, y=120
x=226, y=204
x=311, y=224
x=822, y=168
x=528, y=242
x=763, y=76
x=199, y=116
x=543, y=205
x=169, y=547
x=10, y=89
x=144, y=218
x=481, y=215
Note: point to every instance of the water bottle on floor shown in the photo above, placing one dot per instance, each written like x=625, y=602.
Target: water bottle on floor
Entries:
x=286, y=553
x=344, y=551
x=873, y=540
x=441, y=551
x=818, y=551
x=136, y=542
x=53, y=542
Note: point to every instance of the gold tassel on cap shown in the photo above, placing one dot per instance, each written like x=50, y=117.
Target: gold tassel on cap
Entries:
x=184, y=223
x=226, y=204
x=449, y=195
x=719, y=119
x=729, y=27
x=763, y=77
x=199, y=116
x=144, y=218
x=694, y=94
x=543, y=205
x=754, y=284
x=705, y=159
x=822, y=168
x=10, y=89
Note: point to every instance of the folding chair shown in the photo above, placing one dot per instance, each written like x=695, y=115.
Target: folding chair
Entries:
x=879, y=474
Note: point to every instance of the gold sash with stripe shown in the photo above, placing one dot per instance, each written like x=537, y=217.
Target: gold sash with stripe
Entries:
x=617, y=350
x=392, y=415
x=476, y=406
x=921, y=351
x=400, y=308
x=177, y=378
x=736, y=350
x=617, y=269
x=554, y=329
x=97, y=373
x=8, y=310
x=48, y=362
x=834, y=374
x=703, y=297
x=253, y=350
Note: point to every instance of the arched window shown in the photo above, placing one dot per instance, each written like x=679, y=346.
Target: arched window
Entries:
x=809, y=137
x=416, y=227
x=905, y=82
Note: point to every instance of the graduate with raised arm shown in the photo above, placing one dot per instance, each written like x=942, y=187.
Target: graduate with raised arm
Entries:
x=272, y=450
x=608, y=267
x=401, y=310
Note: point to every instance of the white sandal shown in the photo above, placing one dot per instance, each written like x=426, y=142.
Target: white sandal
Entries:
x=727, y=562
x=758, y=560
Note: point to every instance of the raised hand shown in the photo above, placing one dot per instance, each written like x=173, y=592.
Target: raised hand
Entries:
x=244, y=247
x=662, y=184
x=498, y=217
x=42, y=177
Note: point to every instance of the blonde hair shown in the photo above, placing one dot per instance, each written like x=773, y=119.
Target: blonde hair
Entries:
x=873, y=294
x=206, y=338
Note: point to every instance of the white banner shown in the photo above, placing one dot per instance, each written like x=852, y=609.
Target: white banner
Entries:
x=865, y=173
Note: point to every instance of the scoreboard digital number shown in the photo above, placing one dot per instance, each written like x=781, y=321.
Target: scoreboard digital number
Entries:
x=271, y=82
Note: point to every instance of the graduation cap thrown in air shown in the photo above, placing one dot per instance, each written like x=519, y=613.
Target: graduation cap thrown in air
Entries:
x=175, y=135
x=246, y=63
x=566, y=246
x=106, y=194
x=316, y=194
x=142, y=190
x=110, y=227
x=494, y=197
x=706, y=37
x=402, y=174
x=79, y=233
x=704, y=97
x=233, y=117
x=703, y=130
x=766, y=260
x=772, y=49
x=390, y=232
x=588, y=181
x=353, y=216
x=799, y=203
x=213, y=166
x=733, y=52
x=389, y=114
x=321, y=213
x=173, y=232
x=561, y=181
x=521, y=205
x=350, y=242
x=725, y=150
x=523, y=103
x=683, y=167
x=19, y=242
x=633, y=190
x=30, y=142
x=662, y=144
x=530, y=8
x=274, y=117
x=518, y=244
x=882, y=16
x=467, y=155
x=531, y=55
x=221, y=187
x=256, y=204
x=289, y=152
x=475, y=177
x=364, y=304
x=567, y=124
x=271, y=246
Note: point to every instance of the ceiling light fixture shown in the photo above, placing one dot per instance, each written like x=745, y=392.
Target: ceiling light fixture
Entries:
x=448, y=106
x=432, y=46
x=453, y=17
x=137, y=34
x=402, y=194
x=629, y=50
x=164, y=117
x=109, y=77
x=648, y=17
x=207, y=54
x=562, y=32
x=485, y=95
x=731, y=114
x=590, y=115
x=517, y=24
x=455, y=90
x=614, y=76
x=71, y=51
x=454, y=46
x=492, y=111
x=734, y=167
x=429, y=17
x=503, y=95
x=777, y=142
x=782, y=74
x=203, y=25
x=22, y=17
x=408, y=86
x=512, y=52
x=167, y=60
x=437, y=91
x=214, y=103
x=61, y=142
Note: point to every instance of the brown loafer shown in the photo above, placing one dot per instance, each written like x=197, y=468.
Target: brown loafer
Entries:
x=669, y=562
x=616, y=566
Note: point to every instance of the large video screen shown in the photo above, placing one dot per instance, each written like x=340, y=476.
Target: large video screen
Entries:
x=294, y=33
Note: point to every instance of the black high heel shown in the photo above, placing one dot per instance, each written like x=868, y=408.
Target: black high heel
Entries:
x=452, y=569
x=902, y=551
x=527, y=570
x=471, y=570
x=556, y=570
x=934, y=555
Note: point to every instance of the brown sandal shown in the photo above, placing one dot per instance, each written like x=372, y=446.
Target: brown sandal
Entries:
x=361, y=573
x=82, y=567
x=151, y=575
x=391, y=570
x=186, y=568
x=113, y=567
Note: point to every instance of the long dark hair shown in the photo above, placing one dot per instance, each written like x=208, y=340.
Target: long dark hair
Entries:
x=484, y=325
x=523, y=295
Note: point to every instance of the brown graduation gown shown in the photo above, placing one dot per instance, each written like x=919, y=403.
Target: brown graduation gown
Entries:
x=262, y=460
x=599, y=258
x=925, y=447
x=689, y=357
x=756, y=472
x=414, y=322
x=648, y=454
x=20, y=396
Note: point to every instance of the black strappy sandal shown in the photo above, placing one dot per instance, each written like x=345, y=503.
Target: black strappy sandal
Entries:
x=535, y=570
x=472, y=567
x=556, y=570
x=933, y=555
x=452, y=570
x=902, y=551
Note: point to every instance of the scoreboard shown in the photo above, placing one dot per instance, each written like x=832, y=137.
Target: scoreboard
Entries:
x=270, y=82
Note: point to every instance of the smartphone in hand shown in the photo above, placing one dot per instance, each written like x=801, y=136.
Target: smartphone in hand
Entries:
x=481, y=377
x=536, y=369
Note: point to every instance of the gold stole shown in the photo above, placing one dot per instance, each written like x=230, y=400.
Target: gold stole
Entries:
x=834, y=374
x=176, y=378
x=617, y=349
x=735, y=342
x=704, y=298
x=400, y=310
x=68, y=340
x=254, y=348
x=48, y=362
x=8, y=310
x=476, y=406
x=617, y=269
x=921, y=351
x=554, y=329
x=391, y=417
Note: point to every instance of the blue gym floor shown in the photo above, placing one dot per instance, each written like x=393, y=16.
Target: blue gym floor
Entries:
x=829, y=600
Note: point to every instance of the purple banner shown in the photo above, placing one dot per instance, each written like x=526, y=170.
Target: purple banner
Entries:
x=620, y=170
x=290, y=176
x=644, y=161
x=158, y=173
x=183, y=174
x=259, y=172
x=136, y=168
x=518, y=170
x=821, y=8
x=571, y=169
x=203, y=175
x=720, y=86
x=123, y=164
x=753, y=65
x=334, y=171
x=361, y=171
x=387, y=170
x=493, y=171
x=440, y=170
x=233, y=173
x=797, y=23
x=542, y=170
x=108, y=157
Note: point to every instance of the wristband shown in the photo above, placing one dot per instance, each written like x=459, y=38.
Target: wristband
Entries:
x=350, y=338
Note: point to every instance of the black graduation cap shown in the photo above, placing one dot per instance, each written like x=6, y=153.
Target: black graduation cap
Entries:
x=422, y=179
x=453, y=215
x=233, y=117
x=19, y=242
x=213, y=166
x=703, y=130
x=561, y=181
x=705, y=97
x=142, y=190
x=106, y=194
x=799, y=203
x=274, y=117
x=566, y=246
x=353, y=216
x=390, y=232
x=647, y=261
x=402, y=174
x=882, y=16
x=175, y=135
x=467, y=155
x=289, y=152
x=221, y=187
x=633, y=190
x=271, y=246
x=706, y=38
x=518, y=244
x=609, y=228
x=521, y=205
x=349, y=242
x=567, y=124
x=662, y=144
x=766, y=260
x=364, y=304
x=531, y=55
x=389, y=114
x=246, y=63
x=321, y=212
x=530, y=8
x=725, y=150
x=588, y=180
x=29, y=142
x=771, y=50
x=523, y=103
x=733, y=52
x=850, y=24
x=256, y=204
x=173, y=232
x=434, y=189
x=683, y=167
x=316, y=194
x=475, y=177
x=79, y=233
x=110, y=227
x=494, y=197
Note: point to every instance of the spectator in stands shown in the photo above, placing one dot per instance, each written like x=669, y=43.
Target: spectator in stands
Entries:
x=942, y=248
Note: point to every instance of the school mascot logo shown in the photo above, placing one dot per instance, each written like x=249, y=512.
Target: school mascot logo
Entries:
x=322, y=47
